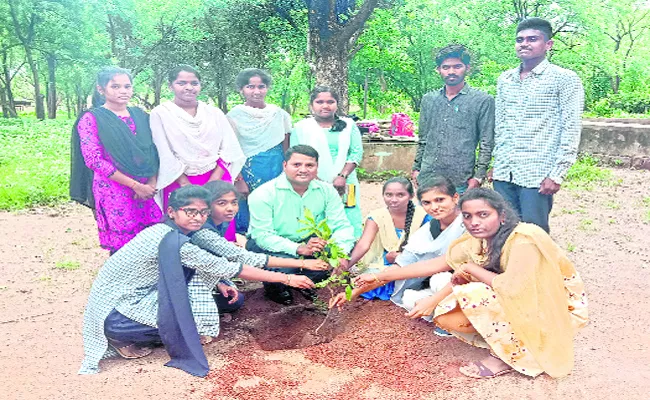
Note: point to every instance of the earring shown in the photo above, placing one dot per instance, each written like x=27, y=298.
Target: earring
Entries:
x=503, y=222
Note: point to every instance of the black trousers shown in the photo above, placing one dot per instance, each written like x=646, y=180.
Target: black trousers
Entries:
x=273, y=287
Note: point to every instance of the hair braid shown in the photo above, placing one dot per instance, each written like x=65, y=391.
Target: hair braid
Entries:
x=410, y=210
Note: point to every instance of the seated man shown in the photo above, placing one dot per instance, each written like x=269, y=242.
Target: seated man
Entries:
x=276, y=208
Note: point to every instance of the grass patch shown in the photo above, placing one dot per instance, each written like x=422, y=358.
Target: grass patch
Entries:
x=68, y=265
x=646, y=217
x=646, y=201
x=34, y=162
x=570, y=247
x=571, y=212
x=613, y=205
x=585, y=174
x=380, y=176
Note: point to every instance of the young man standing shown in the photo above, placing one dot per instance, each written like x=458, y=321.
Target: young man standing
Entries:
x=538, y=125
x=453, y=122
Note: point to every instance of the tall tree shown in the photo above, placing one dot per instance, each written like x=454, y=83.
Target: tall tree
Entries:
x=334, y=26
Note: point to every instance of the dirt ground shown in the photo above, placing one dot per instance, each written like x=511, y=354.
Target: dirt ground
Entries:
x=50, y=257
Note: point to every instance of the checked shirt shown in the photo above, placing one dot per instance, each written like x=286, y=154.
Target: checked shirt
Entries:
x=538, y=125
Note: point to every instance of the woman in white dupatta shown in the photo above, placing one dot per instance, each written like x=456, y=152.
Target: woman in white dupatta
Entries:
x=263, y=133
x=195, y=142
x=338, y=143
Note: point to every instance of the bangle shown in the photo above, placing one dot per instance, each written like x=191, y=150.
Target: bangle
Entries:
x=376, y=279
x=302, y=264
x=135, y=183
x=288, y=279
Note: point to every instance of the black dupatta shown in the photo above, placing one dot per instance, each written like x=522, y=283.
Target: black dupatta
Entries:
x=176, y=324
x=135, y=155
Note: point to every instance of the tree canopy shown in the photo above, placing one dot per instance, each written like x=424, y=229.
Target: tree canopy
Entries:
x=377, y=52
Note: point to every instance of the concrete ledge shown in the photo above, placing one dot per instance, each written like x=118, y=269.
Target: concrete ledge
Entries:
x=617, y=142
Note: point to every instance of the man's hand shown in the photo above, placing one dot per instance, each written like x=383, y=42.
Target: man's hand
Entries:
x=473, y=183
x=228, y=292
x=312, y=246
x=548, y=187
x=339, y=184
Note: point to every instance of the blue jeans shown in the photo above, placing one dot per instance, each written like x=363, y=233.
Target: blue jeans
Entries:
x=532, y=206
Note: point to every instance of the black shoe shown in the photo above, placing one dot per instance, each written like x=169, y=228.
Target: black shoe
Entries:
x=309, y=294
x=283, y=297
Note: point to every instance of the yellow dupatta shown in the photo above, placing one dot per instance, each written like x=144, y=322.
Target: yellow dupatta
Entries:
x=386, y=239
x=539, y=291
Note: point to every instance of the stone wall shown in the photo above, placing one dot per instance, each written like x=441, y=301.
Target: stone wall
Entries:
x=619, y=142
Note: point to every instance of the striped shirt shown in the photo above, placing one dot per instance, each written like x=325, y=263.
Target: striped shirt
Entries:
x=538, y=125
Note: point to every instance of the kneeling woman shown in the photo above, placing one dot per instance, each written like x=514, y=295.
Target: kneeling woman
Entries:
x=140, y=295
x=414, y=265
x=514, y=291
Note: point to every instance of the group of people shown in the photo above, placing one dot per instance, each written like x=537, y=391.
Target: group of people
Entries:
x=169, y=192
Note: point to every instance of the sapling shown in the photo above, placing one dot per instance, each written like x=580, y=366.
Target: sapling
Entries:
x=332, y=254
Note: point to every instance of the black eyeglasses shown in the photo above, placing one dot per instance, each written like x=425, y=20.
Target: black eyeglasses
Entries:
x=193, y=212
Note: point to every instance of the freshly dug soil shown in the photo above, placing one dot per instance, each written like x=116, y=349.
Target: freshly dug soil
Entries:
x=294, y=327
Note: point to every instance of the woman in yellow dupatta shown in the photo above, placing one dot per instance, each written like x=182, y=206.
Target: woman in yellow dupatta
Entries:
x=513, y=291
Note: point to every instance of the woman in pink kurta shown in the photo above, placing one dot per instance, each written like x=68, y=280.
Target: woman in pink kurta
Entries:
x=114, y=143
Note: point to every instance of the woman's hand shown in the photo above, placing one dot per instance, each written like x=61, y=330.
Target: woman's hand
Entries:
x=391, y=256
x=228, y=291
x=143, y=192
x=316, y=265
x=299, y=281
x=424, y=307
x=242, y=188
x=338, y=301
x=365, y=279
x=183, y=181
x=463, y=274
x=339, y=184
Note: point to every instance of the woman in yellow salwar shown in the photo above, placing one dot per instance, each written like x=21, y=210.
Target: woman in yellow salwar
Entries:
x=513, y=291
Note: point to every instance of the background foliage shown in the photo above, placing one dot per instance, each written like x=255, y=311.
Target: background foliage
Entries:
x=50, y=50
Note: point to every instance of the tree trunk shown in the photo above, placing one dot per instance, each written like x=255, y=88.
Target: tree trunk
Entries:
x=3, y=102
x=38, y=97
x=222, y=98
x=8, y=105
x=51, y=86
x=331, y=69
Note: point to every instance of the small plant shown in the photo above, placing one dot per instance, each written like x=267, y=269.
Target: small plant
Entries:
x=67, y=265
x=646, y=217
x=570, y=247
x=646, y=201
x=331, y=254
x=611, y=221
x=586, y=224
x=613, y=205
x=379, y=176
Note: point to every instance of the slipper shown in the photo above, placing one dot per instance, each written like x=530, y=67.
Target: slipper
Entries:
x=119, y=347
x=477, y=370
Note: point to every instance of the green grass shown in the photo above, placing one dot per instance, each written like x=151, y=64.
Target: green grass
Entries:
x=585, y=174
x=570, y=247
x=586, y=224
x=67, y=265
x=34, y=162
x=646, y=217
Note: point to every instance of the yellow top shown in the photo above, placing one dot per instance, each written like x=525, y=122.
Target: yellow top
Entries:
x=539, y=290
x=387, y=238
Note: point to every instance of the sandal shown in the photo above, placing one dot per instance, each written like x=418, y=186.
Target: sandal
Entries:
x=477, y=370
x=206, y=339
x=120, y=348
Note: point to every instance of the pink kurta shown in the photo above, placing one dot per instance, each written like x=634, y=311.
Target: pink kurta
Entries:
x=119, y=216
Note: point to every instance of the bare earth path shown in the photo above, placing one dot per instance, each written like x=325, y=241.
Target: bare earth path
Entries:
x=50, y=257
